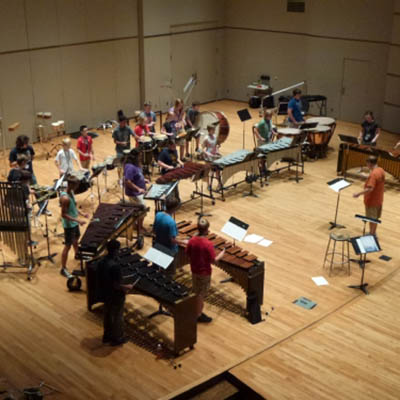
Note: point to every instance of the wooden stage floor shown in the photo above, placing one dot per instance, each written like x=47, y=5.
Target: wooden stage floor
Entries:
x=48, y=334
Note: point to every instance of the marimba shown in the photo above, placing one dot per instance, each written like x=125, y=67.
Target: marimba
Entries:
x=231, y=164
x=109, y=222
x=153, y=283
x=244, y=268
x=353, y=156
x=190, y=170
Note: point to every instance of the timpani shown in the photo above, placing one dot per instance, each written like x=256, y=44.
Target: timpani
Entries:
x=292, y=133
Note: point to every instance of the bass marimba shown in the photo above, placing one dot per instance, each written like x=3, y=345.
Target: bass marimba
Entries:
x=244, y=268
x=231, y=164
x=109, y=222
x=190, y=170
x=353, y=156
x=152, y=282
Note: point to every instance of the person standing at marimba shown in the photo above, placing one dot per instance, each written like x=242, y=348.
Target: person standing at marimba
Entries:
x=166, y=231
x=201, y=253
x=295, y=116
x=70, y=221
x=135, y=183
x=65, y=158
x=168, y=158
x=373, y=191
x=85, y=147
x=370, y=130
x=114, y=296
x=263, y=130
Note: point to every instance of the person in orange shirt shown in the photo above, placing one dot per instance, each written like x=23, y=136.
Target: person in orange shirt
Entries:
x=373, y=192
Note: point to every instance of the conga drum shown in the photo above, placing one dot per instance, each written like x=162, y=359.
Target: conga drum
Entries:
x=161, y=141
x=146, y=148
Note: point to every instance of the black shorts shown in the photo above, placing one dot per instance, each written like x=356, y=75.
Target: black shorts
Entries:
x=71, y=235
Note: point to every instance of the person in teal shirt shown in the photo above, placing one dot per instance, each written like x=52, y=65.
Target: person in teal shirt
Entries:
x=263, y=130
x=70, y=222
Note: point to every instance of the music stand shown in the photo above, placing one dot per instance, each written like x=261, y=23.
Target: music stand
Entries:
x=244, y=116
x=49, y=256
x=363, y=245
x=337, y=185
x=190, y=134
x=200, y=176
x=365, y=219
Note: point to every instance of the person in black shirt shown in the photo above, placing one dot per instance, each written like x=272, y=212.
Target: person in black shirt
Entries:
x=369, y=130
x=114, y=296
x=191, y=118
x=168, y=158
x=22, y=147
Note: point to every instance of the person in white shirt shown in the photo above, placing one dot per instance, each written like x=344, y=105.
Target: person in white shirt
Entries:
x=65, y=157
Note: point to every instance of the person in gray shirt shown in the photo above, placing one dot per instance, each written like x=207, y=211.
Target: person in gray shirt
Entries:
x=122, y=137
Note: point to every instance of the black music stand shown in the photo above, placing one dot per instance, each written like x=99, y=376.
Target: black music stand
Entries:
x=364, y=219
x=200, y=176
x=244, y=116
x=50, y=256
x=337, y=185
x=363, y=245
x=190, y=134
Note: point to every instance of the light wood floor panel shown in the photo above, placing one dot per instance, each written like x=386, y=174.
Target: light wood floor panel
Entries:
x=51, y=335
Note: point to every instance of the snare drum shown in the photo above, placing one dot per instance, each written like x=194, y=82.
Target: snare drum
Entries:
x=109, y=161
x=97, y=168
x=161, y=141
x=84, y=181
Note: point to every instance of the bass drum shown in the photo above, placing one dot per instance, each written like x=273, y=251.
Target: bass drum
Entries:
x=213, y=117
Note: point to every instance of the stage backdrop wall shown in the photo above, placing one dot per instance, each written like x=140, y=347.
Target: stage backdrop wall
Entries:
x=77, y=59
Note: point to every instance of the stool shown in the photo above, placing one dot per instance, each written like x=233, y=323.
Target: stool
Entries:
x=344, y=238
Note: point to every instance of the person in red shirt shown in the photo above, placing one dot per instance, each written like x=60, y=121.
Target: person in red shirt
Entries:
x=141, y=129
x=201, y=254
x=373, y=192
x=85, y=147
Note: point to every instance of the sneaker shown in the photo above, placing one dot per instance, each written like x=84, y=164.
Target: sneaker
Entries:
x=198, y=150
x=204, y=318
x=48, y=212
x=34, y=243
x=64, y=272
x=119, y=342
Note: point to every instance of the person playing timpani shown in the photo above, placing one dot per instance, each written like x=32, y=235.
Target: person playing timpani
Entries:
x=166, y=231
x=70, y=222
x=264, y=130
x=85, y=147
x=295, y=116
x=373, y=192
x=201, y=253
x=65, y=158
x=191, y=117
x=149, y=116
x=114, y=296
x=135, y=183
x=141, y=129
x=369, y=130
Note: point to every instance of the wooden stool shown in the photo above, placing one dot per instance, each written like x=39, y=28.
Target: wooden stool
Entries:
x=344, y=238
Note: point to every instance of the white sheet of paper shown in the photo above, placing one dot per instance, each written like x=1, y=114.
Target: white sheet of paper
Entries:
x=320, y=280
x=253, y=238
x=158, y=257
x=338, y=186
x=234, y=231
x=265, y=243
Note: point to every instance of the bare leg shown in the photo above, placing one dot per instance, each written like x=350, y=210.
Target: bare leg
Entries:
x=372, y=228
x=182, y=151
x=199, y=305
x=64, y=256
x=75, y=245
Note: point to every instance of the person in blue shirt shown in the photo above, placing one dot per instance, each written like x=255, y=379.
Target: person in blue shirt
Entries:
x=149, y=116
x=295, y=116
x=166, y=231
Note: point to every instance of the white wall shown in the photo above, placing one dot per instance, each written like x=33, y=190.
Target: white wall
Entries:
x=261, y=37
x=77, y=59
x=182, y=37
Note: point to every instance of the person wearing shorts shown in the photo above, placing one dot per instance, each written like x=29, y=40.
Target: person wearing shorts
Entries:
x=373, y=191
x=201, y=253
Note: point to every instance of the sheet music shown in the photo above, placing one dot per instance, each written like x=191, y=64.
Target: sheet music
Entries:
x=234, y=231
x=158, y=257
x=339, y=185
x=367, y=244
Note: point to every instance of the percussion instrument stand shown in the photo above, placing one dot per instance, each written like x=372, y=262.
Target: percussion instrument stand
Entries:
x=298, y=178
x=46, y=235
x=160, y=310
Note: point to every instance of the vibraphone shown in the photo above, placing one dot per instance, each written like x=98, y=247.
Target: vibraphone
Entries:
x=244, y=268
x=229, y=165
x=15, y=230
x=153, y=283
x=353, y=156
x=188, y=171
x=279, y=150
x=108, y=222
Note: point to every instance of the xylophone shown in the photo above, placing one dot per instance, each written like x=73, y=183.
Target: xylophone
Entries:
x=108, y=222
x=153, y=283
x=353, y=155
x=229, y=165
x=275, y=151
x=244, y=268
x=189, y=170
